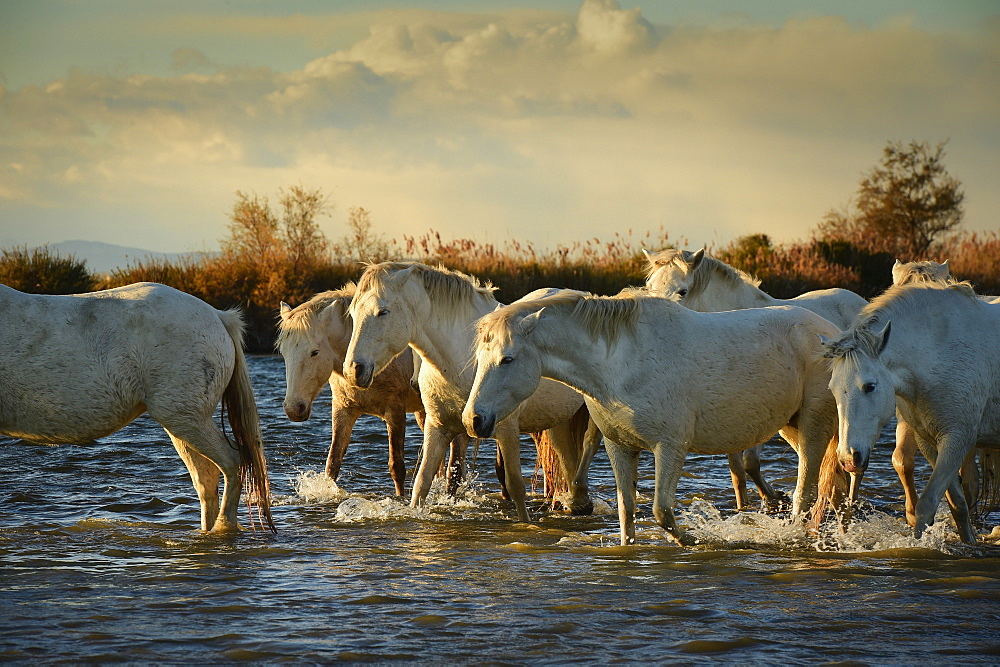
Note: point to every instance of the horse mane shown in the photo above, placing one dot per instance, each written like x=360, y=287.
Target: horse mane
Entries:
x=601, y=316
x=300, y=319
x=862, y=338
x=921, y=272
x=707, y=269
x=446, y=288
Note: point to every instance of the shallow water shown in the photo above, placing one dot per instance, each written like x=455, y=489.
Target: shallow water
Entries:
x=100, y=561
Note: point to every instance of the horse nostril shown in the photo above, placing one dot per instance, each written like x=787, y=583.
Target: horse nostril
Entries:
x=477, y=423
x=858, y=459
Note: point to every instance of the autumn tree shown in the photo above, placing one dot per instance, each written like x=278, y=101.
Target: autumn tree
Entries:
x=904, y=204
x=362, y=242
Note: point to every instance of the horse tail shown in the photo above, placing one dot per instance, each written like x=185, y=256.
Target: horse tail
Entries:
x=989, y=482
x=238, y=401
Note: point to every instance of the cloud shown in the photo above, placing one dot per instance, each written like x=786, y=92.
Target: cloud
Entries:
x=543, y=125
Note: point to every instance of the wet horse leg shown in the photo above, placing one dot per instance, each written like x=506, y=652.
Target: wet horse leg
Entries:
x=902, y=461
x=509, y=443
x=625, y=465
x=395, y=423
x=343, y=425
x=944, y=481
x=739, y=475
x=669, y=461
x=206, y=448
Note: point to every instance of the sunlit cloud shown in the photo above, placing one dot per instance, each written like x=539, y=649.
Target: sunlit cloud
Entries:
x=538, y=125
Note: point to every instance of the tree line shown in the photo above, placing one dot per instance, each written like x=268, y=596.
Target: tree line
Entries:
x=908, y=207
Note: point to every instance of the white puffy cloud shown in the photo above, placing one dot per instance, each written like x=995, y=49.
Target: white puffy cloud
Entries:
x=549, y=127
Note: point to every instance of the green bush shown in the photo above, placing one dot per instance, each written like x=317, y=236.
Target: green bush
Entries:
x=41, y=271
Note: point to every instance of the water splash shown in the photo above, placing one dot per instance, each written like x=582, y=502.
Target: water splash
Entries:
x=873, y=530
x=314, y=487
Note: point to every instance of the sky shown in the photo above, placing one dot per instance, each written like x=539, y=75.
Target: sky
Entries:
x=135, y=123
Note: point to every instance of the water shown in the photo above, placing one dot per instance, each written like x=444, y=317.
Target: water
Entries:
x=101, y=562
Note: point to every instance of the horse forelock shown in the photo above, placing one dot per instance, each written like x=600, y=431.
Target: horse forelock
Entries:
x=302, y=318
x=601, y=316
x=924, y=271
x=447, y=289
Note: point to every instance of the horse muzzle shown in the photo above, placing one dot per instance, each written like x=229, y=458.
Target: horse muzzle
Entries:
x=483, y=426
x=854, y=461
x=362, y=373
x=298, y=411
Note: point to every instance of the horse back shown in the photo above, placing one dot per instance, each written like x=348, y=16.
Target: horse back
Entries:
x=78, y=367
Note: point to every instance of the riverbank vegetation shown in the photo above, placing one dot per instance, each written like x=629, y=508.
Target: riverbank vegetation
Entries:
x=907, y=207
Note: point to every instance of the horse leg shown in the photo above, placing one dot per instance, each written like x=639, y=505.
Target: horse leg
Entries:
x=509, y=443
x=669, y=461
x=206, y=441
x=204, y=477
x=501, y=475
x=395, y=424
x=970, y=479
x=436, y=441
x=625, y=465
x=568, y=447
x=456, y=462
x=739, y=476
x=591, y=441
x=343, y=425
x=751, y=463
x=902, y=461
x=946, y=458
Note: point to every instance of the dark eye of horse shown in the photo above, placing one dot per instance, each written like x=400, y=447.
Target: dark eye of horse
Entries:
x=314, y=353
x=383, y=312
x=506, y=360
x=868, y=387
x=682, y=293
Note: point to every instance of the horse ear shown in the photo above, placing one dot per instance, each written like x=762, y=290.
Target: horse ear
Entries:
x=945, y=263
x=897, y=265
x=648, y=255
x=285, y=310
x=829, y=347
x=696, y=259
x=883, y=336
x=529, y=323
x=400, y=277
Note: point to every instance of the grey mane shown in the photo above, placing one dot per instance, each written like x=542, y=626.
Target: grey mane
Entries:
x=708, y=269
x=604, y=317
x=300, y=319
x=445, y=288
x=897, y=301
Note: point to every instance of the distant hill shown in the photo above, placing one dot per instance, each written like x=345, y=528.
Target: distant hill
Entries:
x=106, y=257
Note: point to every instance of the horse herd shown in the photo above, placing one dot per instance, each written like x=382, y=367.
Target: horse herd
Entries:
x=698, y=360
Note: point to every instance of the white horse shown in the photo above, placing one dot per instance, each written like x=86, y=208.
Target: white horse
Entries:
x=940, y=369
x=313, y=339
x=76, y=368
x=434, y=310
x=660, y=377
x=904, y=273
x=706, y=284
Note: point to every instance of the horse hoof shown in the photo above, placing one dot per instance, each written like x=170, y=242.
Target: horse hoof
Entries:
x=582, y=510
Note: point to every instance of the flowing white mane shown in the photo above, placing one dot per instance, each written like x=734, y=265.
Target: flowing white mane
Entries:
x=300, y=319
x=911, y=298
x=447, y=289
x=602, y=316
x=921, y=272
x=709, y=268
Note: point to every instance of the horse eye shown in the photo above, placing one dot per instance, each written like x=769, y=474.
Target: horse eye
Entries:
x=506, y=360
x=682, y=293
x=314, y=353
x=383, y=312
x=868, y=387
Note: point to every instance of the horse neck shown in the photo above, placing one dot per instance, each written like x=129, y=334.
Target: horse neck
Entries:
x=721, y=294
x=445, y=340
x=572, y=356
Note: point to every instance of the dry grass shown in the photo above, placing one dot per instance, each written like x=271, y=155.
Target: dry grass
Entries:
x=604, y=267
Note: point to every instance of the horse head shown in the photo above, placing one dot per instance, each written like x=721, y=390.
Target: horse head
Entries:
x=312, y=343
x=384, y=313
x=508, y=368
x=672, y=272
x=864, y=390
